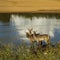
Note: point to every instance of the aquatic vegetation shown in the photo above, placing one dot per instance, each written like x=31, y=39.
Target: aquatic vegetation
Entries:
x=24, y=52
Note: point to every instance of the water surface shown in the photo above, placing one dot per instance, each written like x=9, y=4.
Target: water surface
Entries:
x=14, y=30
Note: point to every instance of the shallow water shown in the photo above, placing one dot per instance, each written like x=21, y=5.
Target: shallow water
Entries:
x=14, y=31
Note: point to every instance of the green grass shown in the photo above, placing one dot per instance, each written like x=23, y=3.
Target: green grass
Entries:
x=24, y=52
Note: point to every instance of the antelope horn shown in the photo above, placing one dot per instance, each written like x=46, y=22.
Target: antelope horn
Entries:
x=30, y=29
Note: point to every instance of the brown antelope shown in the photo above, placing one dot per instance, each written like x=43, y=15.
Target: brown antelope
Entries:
x=41, y=37
x=37, y=37
x=30, y=35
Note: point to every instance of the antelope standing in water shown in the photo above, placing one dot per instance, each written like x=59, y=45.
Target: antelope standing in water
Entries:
x=37, y=37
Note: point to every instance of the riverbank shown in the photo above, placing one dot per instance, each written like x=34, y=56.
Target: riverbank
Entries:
x=48, y=14
x=24, y=52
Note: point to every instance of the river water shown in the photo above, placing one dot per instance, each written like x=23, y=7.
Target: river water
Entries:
x=14, y=31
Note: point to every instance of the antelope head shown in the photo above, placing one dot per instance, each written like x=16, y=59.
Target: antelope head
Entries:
x=29, y=33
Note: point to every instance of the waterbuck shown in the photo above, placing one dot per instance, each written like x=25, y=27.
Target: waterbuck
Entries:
x=33, y=36
x=30, y=35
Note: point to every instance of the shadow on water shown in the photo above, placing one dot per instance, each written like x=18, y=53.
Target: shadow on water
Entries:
x=4, y=17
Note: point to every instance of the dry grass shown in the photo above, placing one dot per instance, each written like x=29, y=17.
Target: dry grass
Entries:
x=29, y=6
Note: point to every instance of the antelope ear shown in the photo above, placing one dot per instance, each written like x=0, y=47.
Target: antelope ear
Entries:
x=31, y=29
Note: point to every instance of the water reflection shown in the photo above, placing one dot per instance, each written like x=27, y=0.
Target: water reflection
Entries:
x=14, y=31
x=41, y=25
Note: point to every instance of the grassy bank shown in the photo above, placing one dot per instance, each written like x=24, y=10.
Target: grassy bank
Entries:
x=24, y=52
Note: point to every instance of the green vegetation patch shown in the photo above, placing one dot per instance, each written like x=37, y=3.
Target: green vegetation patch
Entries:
x=24, y=52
